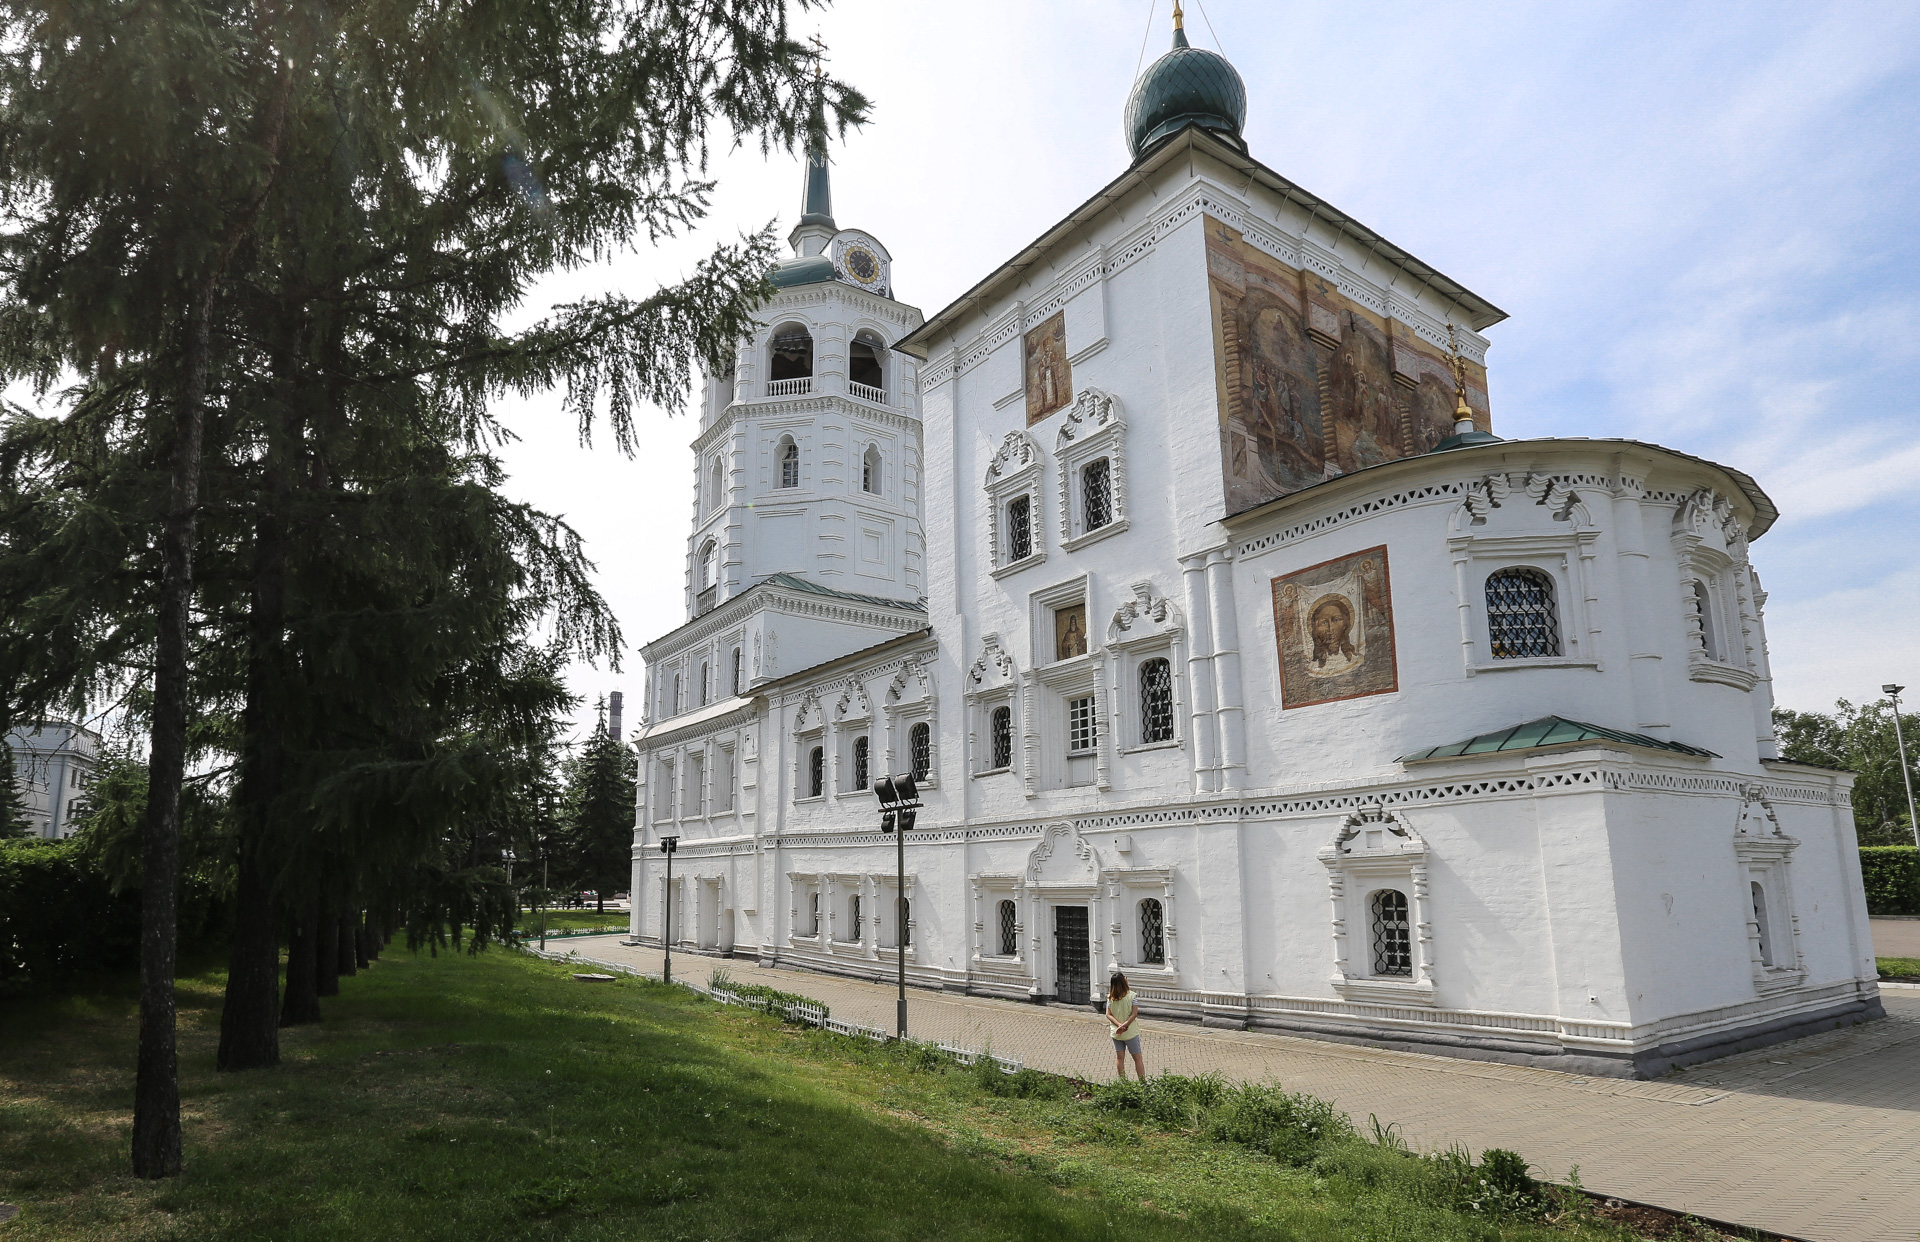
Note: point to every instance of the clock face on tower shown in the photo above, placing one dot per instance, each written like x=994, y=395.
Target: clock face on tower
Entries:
x=861, y=261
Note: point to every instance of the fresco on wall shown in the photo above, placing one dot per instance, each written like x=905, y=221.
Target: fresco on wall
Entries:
x=1312, y=386
x=1334, y=625
x=1049, y=379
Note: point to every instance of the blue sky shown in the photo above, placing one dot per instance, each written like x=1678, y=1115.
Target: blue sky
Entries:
x=1700, y=218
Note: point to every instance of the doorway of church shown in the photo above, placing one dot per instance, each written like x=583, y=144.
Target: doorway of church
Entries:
x=1072, y=969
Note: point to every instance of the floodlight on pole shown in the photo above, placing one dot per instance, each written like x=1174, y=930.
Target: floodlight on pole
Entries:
x=667, y=846
x=1906, y=775
x=899, y=807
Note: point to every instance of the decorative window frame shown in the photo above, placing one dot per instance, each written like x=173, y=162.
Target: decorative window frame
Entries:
x=992, y=682
x=801, y=886
x=1764, y=853
x=1376, y=848
x=1045, y=727
x=1710, y=546
x=1016, y=470
x=852, y=718
x=810, y=730
x=725, y=778
x=1489, y=535
x=1093, y=428
x=1145, y=627
x=885, y=915
x=1125, y=888
x=986, y=962
x=908, y=701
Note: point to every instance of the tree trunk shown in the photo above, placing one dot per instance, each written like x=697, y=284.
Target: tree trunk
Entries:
x=326, y=951
x=300, y=1006
x=249, y=1027
x=348, y=960
x=362, y=952
x=156, y=1093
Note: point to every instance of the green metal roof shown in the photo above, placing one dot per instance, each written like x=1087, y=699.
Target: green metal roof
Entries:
x=814, y=270
x=1550, y=731
x=1187, y=86
x=794, y=582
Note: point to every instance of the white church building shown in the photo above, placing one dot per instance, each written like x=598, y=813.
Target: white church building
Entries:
x=1231, y=649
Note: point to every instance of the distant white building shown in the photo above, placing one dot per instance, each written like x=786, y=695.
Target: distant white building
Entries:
x=53, y=766
x=1231, y=649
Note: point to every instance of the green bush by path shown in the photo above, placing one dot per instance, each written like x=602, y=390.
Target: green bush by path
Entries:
x=1892, y=877
x=494, y=1097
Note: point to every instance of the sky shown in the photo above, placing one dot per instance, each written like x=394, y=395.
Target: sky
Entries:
x=1699, y=217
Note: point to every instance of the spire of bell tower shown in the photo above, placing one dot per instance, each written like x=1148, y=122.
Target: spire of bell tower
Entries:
x=816, y=227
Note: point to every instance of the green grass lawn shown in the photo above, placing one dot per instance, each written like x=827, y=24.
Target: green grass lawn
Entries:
x=1899, y=967
x=572, y=920
x=494, y=1097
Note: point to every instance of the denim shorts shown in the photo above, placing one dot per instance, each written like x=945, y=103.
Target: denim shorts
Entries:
x=1131, y=1044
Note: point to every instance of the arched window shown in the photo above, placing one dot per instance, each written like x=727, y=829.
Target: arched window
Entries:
x=1000, y=726
x=853, y=917
x=1760, y=924
x=713, y=486
x=1009, y=931
x=789, y=456
x=870, y=470
x=1392, y=934
x=709, y=563
x=790, y=353
x=1153, y=931
x=739, y=667
x=863, y=364
x=920, y=749
x=1096, y=494
x=817, y=772
x=1019, y=529
x=1709, y=634
x=861, y=749
x=1156, y=700
x=1521, y=623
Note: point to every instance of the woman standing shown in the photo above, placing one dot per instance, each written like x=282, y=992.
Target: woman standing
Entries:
x=1121, y=1014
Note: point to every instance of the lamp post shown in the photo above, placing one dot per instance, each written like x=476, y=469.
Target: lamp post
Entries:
x=1906, y=777
x=899, y=807
x=667, y=846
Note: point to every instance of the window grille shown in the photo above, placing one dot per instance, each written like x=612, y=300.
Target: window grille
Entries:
x=853, y=909
x=1009, y=932
x=1521, y=623
x=1001, y=728
x=870, y=471
x=1156, y=700
x=1080, y=724
x=1760, y=923
x=706, y=682
x=1096, y=493
x=1392, y=934
x=1019, y=528
x=860, y=752
x=1153, y=939
x=738, y=663
x=790, y=465
x=817, y=772
x=920, y=748
x=816, y=914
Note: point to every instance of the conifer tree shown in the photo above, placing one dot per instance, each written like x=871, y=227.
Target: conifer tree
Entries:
x=600, y=798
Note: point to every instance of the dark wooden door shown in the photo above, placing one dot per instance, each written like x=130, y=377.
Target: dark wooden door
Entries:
x=1072, y=970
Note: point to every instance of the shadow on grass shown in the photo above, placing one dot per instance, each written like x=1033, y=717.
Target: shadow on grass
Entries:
x=494, y=1097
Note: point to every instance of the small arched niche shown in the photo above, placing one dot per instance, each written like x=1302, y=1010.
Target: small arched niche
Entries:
x=790, y=353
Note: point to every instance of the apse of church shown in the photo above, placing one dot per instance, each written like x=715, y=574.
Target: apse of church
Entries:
x=1313, y=385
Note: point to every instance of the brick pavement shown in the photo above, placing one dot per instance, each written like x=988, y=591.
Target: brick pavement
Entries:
x=1818, y=1138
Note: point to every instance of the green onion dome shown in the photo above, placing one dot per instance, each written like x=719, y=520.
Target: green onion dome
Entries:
x=1187, y=86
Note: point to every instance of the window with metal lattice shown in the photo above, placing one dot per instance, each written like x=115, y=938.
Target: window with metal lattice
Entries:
x=862, y=750
x=1009, y=930
x=817, y=772
x=1000, y=727
x=1522, y=622
x=1392, y=934
x=1019, y=529
x=1156, y=700
x=1096, y=494
x=1153, y=929
x=920, y=749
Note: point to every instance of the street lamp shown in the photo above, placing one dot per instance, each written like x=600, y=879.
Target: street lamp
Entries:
x=1906, y=777
x=899, y=807
x=667, y=846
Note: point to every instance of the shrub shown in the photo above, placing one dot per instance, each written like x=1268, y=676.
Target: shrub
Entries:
x=787, y=1006
x=1892, y=876
x=1500, y=1185
x=1025, y=1083
x=60, y=916
x=1289, y=1126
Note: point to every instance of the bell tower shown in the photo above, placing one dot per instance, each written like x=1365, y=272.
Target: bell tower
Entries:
x=808, y=459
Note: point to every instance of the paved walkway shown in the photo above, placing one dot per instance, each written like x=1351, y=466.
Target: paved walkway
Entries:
x=1896, y=937
x=1818, y=1138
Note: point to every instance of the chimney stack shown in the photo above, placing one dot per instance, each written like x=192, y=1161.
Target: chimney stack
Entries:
x=613, y=715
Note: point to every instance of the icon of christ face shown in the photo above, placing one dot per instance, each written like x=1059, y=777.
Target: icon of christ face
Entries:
x=1332, y=624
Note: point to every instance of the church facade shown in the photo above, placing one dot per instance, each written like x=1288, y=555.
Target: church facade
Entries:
x=1178, y=561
